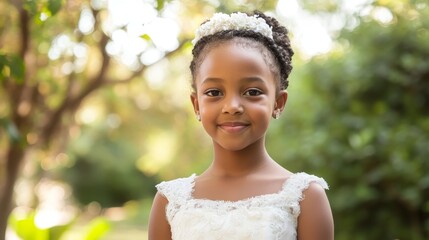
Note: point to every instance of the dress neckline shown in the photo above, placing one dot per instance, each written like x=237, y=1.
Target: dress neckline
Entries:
x=285, y=184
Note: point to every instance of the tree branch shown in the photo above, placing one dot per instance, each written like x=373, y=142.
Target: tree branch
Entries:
x=143, y=68
x=15, y=89
x=15, y=152
x=72, y=102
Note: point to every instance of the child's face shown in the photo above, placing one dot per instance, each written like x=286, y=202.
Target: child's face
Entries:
x=236, y=95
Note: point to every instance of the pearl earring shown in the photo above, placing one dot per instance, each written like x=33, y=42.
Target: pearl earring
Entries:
x=198, y=117
x=277, y=114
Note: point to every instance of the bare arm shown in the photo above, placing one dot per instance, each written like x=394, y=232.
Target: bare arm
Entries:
x=159, y=228
x=315, y=221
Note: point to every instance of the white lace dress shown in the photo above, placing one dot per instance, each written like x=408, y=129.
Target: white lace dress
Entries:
x=270, y=216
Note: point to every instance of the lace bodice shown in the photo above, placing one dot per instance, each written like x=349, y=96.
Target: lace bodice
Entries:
x=270, y=216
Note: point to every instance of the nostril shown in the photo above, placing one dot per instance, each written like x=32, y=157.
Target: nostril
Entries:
x=232, y=104
x=232, y=108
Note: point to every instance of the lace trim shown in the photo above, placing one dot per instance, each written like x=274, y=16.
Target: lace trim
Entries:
x=179, y=194
x=180, y=188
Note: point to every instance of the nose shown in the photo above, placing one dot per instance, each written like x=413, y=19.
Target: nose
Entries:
x=232, y=105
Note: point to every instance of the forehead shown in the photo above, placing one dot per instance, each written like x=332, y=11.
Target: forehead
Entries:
x=234, y=57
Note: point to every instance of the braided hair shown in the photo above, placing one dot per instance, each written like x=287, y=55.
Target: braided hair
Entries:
x=277, y=52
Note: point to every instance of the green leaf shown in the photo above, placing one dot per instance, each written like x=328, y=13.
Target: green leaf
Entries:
x=97, y=228
x=160, y=4
x=3, y=60
x=26, y=228
x=146, y=37
x=31, y=7
x=12, y=66
x=11, y=130
x=54, y=6
x=56, y=232
x=3, y=64
x=17, y=68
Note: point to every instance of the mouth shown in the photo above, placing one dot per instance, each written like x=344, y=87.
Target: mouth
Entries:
x=233, y=127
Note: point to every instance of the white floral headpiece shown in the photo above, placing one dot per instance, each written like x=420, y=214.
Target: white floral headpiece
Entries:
x=235, y=21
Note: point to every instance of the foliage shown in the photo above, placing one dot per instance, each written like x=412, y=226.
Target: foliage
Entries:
x=104, y=169
x=54, y=54
x=26, y=228
x=364, y=126
x=96, y=229
x=11, y=66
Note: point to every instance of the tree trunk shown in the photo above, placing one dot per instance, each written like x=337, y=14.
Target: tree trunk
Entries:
x=13, y=162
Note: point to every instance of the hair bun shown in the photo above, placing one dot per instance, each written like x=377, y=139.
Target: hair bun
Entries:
x=282, y=46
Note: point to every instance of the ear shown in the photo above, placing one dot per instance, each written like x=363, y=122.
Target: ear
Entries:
x=280, y=102
x=194, y=100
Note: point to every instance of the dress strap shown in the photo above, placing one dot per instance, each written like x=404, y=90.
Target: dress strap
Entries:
x=177, y=189
x=301, y=181
x=294, y=187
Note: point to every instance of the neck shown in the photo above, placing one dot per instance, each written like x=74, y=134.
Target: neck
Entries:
x=228, y=163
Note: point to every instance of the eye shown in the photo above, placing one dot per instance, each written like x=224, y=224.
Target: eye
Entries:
x=213, y=93
x=253, y=92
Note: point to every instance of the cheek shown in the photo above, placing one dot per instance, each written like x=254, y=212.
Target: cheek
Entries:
x=205, y=106
x=208, y=111
x=262, y=113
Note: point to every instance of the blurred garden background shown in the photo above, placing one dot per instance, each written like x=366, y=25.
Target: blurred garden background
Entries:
x=95, y=110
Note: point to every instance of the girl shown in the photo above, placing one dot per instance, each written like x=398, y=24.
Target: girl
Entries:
x=240, y=68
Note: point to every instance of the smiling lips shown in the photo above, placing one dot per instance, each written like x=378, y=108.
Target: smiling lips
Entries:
x=233, y=127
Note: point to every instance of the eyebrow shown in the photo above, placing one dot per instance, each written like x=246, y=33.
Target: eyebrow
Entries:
x=245, y=79
x=210, y=79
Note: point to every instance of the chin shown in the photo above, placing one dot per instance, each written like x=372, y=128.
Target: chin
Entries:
x=234, y=147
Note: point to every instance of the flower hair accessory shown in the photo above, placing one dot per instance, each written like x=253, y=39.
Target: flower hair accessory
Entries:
x=235, y=21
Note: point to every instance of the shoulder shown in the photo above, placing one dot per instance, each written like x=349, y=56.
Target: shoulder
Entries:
x=315, y=220
x=159, y=227
x=169, y=192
